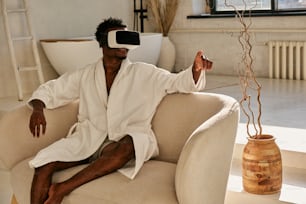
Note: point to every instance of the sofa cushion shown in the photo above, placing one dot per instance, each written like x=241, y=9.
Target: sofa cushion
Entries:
x=154, y=184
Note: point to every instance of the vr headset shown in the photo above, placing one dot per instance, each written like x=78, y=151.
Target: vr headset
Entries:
x=123, y=39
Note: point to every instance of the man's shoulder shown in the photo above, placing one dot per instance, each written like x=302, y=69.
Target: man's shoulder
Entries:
x=142, y=64
x=87, y=68
x=143, y=67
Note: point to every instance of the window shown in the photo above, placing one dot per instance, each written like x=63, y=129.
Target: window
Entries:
x=258, y=6
x=240, y=5
x=291, y=4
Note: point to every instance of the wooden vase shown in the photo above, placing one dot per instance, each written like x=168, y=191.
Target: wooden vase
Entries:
x=262, y=166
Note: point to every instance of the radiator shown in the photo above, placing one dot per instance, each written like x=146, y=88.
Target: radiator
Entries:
x=287, y=60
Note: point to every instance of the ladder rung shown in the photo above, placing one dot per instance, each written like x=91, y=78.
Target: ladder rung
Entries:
x=16, y=10
x=27, y=68
x=22, y=38
x=21, y=12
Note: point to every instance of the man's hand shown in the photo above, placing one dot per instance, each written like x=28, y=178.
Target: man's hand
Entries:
x=201, y=62
x=37, y=120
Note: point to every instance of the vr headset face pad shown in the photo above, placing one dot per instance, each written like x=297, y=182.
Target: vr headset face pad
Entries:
x=123, y=39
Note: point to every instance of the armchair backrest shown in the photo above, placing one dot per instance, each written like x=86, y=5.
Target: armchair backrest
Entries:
x=178, y=116
x=16, y=141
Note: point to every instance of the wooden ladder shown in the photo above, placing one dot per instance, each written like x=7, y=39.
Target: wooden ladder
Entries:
x=12, y=38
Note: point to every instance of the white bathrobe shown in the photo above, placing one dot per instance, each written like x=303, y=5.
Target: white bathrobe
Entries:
x=128, y=110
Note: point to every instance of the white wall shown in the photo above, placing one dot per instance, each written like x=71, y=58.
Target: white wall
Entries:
x=218, y=38
x=56, y=19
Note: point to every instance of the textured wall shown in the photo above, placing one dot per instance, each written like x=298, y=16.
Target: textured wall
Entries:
x=218, y=37
x=54, y=19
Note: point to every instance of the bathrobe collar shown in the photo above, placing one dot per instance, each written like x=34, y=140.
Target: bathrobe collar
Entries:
x=100, y=78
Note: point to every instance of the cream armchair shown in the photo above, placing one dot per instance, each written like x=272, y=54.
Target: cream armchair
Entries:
x=195, y=132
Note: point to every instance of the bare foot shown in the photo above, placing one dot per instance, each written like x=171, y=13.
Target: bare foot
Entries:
x=55, y=195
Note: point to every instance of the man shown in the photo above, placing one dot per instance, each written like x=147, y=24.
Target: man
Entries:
x=117, y=100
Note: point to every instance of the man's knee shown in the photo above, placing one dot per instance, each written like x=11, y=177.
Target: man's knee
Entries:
x=121, y=151
x=128, y=140
x=127, y=146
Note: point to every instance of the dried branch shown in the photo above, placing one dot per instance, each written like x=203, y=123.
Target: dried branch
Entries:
x=163, y=12
x=247, y=76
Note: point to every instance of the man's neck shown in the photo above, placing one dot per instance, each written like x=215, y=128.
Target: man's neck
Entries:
x=111, y=66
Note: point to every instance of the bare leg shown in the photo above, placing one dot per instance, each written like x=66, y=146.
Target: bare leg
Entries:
x=113, y=157
x=43, y=177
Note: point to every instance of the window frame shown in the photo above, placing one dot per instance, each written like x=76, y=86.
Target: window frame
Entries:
x=272, y=11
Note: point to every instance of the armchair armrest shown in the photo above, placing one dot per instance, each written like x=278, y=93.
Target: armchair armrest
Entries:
x=204, y=163
x=16, y=141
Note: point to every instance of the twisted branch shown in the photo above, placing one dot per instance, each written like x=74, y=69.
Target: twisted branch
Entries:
x=246, y=74
x=163, y=12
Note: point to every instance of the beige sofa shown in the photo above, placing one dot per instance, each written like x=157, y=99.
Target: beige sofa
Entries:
x=195, y=132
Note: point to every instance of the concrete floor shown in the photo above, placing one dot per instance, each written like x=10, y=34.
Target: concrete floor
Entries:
x=284, y=116
x=283, y=108
x=283, y=101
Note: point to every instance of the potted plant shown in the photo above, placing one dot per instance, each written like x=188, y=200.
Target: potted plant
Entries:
x=261, y=162
x=163, y=13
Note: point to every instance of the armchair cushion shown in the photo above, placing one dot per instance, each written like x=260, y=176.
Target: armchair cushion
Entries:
x=155, y=178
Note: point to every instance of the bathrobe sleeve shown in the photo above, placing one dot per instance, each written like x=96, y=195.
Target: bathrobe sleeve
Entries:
x=182, y=82
x=60, y=91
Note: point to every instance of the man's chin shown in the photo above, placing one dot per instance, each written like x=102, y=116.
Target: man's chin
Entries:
x=122, y=53
x=122, y=57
